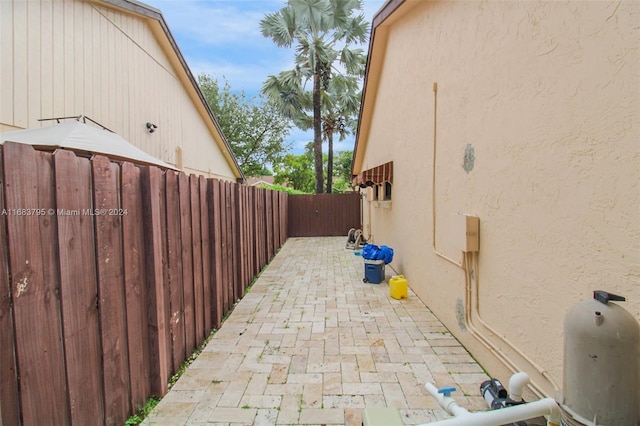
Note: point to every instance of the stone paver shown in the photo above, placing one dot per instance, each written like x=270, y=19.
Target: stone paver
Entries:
x=310, y=343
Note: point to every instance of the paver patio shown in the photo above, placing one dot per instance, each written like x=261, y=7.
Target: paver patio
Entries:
x=310, y=343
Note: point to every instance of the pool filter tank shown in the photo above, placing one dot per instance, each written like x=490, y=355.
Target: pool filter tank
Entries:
x=601, y=383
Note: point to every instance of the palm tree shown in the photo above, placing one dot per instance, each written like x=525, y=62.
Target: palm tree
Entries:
x=323, y=32
x=340, y=114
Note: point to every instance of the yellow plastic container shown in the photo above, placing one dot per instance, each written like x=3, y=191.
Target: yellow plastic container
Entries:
x=398, y=287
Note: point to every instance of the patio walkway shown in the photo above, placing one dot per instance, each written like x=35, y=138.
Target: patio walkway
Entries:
x=310, y=343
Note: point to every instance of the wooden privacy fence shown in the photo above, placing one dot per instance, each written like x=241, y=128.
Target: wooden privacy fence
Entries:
x=323, y=215
x=111, y=275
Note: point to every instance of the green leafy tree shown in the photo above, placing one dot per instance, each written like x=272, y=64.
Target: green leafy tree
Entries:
x=342, y=171
x=296, y=172
x=324, y=33
x=254, y=126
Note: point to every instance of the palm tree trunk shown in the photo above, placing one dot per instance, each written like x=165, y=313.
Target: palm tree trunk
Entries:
x=317, y=130
x=330, y=162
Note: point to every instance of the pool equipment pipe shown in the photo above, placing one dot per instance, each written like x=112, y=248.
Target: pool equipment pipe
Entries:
x=509, y=414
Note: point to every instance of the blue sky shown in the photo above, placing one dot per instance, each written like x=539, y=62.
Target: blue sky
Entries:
x=222, y=38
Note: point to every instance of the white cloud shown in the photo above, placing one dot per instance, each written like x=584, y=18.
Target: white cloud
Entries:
x=216, y=22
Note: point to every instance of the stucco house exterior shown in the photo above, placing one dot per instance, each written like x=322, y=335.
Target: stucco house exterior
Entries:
x=526, y=116
x=115, y=62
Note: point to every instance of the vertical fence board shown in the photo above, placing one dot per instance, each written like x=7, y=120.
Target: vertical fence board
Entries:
x=257, y=249
x=250, y=227
x=231, y=277
x=246, y=260
x=174, y=264
x=239, y=244
x=269, y=224
x=135, y=284
x=254, y=223
x=206, y=253
x=112, y=312
x=222, y=205
x=187, y=263
x=216, y=264
x=157, y=294
x=166, y=291
x=8, y=369
x=10, y=414
x=251, y=230
x=237, y=238
x=284, y=199
x=231, y=244
x=78, y=287
x=196, y=235
x=33, y=263
x=261, y=232
x=276, y=221
x=245, y=239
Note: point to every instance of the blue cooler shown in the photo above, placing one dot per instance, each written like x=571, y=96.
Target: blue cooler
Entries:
x=373, y=271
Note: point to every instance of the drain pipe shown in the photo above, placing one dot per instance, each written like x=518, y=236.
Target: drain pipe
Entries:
x=542, y=407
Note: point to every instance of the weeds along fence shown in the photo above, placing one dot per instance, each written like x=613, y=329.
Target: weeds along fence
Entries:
x=111, y=275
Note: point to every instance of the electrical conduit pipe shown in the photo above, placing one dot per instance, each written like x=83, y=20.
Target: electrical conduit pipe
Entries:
x=466, y=265
x=542, y=407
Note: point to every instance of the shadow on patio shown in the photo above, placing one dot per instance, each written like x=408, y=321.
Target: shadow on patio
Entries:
x=310, y=343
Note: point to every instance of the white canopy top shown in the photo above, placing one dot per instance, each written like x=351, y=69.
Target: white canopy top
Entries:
x=78, y=136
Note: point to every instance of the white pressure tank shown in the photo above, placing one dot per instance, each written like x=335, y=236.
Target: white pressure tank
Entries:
x=601, y=383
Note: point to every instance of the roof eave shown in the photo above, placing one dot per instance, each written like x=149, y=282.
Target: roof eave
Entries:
x=379, y=18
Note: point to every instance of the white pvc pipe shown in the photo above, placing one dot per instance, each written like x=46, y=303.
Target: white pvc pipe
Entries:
x=512, y=414
x=449, y=404
x=517, y=382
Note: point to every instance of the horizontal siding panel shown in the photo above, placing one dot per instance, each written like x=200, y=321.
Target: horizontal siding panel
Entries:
x=73, y=57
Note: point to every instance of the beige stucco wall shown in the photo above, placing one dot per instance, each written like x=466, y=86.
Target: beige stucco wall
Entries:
x=72, y=57
x=548, y=96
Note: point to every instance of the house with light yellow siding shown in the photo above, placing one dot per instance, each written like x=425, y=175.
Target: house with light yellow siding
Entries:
x=498, y=146
x=115, y=62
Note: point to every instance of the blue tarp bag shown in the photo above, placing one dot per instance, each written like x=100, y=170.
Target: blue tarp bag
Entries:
x=373, y=252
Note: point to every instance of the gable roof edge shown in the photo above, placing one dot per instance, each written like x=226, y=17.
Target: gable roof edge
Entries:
x=379, y=18
x=149, y=12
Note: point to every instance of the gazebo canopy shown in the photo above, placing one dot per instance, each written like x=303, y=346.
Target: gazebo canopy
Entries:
x=82, y=138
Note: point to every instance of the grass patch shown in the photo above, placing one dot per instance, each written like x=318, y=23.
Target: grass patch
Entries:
x=143, y=412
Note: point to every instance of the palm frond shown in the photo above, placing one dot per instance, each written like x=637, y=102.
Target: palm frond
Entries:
x=311, y=14
x=354, y=61
x=280, y=27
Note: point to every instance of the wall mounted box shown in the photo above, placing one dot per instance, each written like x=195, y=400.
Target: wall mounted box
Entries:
x=467, y=233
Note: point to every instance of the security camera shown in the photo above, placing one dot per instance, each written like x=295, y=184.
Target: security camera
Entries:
x=151, y=127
